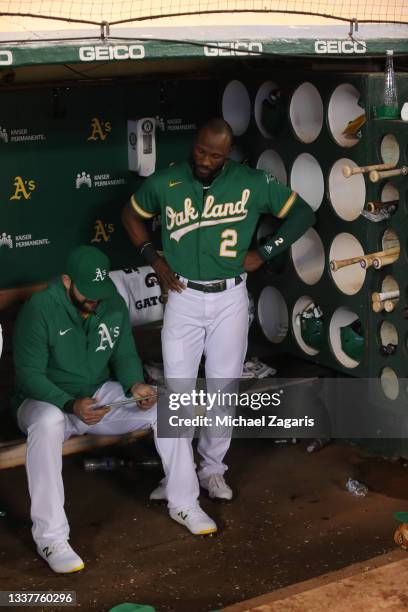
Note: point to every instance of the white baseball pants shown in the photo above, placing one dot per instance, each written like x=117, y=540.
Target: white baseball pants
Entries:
x=47, y=427
x=216, y=325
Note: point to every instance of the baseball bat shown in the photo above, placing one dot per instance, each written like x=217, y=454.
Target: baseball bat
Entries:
x=336, y=264
x=350, y=171
x=375, y=176
x=389, y=305
x=367, y=260
x=376, y=205
x=385, y=260
x=377, y=306
x=385, y=295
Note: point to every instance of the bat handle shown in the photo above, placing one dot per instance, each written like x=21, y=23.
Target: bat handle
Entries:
x=348, y=171
x=375, y=176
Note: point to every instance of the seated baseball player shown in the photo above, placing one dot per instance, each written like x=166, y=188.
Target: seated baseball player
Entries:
x=69, y=340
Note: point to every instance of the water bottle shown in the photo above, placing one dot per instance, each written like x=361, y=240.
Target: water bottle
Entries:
x=317, y=444
x=356, y=488
x=104, y=464
x=390, y=99
x=110, y=464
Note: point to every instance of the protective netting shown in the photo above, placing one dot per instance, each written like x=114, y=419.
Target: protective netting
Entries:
x=122, y=11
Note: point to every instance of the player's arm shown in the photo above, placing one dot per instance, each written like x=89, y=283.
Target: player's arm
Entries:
x=296, y=222
x=297, y=217
x=133, y=219
x=31, y=354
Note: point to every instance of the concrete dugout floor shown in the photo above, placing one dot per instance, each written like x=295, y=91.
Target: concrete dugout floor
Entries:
x=292, y=520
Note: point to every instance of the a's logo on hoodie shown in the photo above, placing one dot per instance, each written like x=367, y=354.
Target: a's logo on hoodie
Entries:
x=99, y=275
x=106, y=337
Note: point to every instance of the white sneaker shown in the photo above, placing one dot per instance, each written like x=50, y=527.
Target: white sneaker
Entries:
x=217, y=487
x=159, y=493
x=61, y=557
x=195, y=519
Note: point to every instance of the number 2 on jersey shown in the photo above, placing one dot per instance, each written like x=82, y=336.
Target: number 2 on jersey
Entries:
x=229, y=239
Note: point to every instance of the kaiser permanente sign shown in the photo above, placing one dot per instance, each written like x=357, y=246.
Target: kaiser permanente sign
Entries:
x=27, y=54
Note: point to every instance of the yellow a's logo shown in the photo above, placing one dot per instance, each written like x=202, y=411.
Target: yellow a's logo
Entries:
x=23, y=188
x=100, y=129
x=102, y=231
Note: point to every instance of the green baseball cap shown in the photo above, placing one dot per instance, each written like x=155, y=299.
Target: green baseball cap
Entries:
x=88, y=269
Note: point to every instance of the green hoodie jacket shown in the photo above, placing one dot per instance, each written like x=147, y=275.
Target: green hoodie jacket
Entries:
x=60, y=356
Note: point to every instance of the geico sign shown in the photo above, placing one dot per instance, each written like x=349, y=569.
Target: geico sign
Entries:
x=116, y=52
x=340, y=46
x=233, y=48
x=6, y=58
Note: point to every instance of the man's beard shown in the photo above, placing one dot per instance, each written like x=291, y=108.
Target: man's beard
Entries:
x=79, y=304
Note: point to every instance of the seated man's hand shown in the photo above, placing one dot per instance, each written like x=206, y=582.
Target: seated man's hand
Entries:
x=85, y=410
x=141, y=390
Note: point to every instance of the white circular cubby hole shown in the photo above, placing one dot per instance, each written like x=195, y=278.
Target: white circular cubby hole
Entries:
x=262, y=94
x=388, y=333
x=306, y=112
x=271, y=162
x=306, y=178
x=389, y=383
x=389, y=192
x=341, y=317
x=390, y=149
x=349, y=279
x=273, y=315
x=347, y=195
x=343, y=108
x=237, y=153
x=308, y=257
x=389, y=239
x=236, y=107
x=389, y=284
x=300, y=305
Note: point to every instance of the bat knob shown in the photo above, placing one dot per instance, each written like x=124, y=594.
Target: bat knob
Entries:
x=374, y=176
x=347, y=172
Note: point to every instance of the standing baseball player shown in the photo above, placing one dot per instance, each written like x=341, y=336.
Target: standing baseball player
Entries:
x=74, y=356
x=210, y=206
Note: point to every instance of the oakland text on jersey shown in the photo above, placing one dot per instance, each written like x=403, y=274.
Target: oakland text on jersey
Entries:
x=213, y=214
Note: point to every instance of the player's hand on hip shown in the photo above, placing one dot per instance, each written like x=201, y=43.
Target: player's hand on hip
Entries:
x=140, y=390
x=252, y=261
x=85, y=410
x=167, y=277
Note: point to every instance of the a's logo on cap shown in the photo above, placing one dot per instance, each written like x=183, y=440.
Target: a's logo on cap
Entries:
x=99, y=275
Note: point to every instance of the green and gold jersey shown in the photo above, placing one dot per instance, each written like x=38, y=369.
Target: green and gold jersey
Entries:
x=206, y=232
